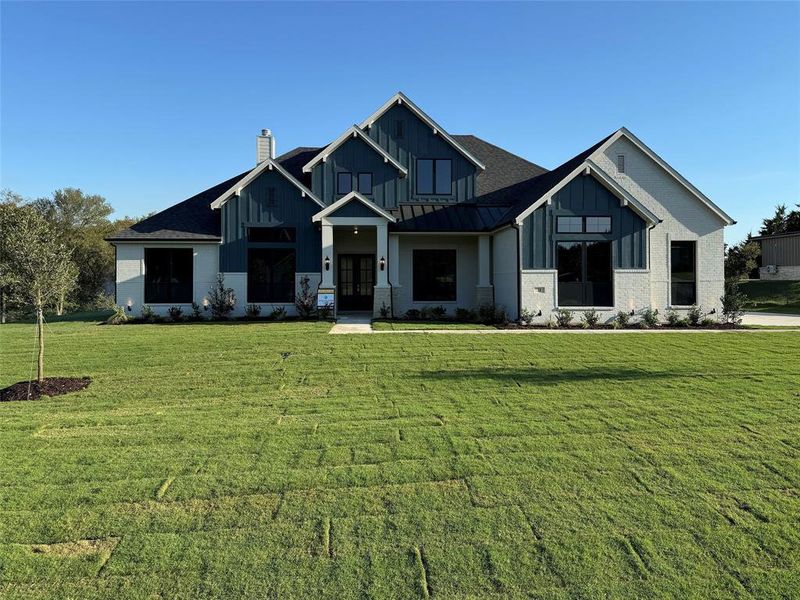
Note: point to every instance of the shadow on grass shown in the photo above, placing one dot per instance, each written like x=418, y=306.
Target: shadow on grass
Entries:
x=544, y=376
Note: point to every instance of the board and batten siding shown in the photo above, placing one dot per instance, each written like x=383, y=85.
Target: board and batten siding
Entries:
x=253, y=208
x=781, y=250
x=419, y=141
x=584, y=196
x=354, y=208
x=355, y=156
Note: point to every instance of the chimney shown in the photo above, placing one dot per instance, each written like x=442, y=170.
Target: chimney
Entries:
x=265, y=146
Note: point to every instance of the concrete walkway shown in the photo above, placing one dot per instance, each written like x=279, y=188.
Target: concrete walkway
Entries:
x=354, y=323
x=759, y=318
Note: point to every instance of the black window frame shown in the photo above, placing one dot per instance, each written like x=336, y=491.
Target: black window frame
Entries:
x=276, y=235
x=358, y=183
x=277, y=292
x=434, y=189
x=339, y=180
x=424, y=289
x=682, y=282
x=587, y=289
x=569, y=230
x=170, y=292
x=586, y=223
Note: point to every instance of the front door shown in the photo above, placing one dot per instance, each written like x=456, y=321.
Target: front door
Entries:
x=356, y=283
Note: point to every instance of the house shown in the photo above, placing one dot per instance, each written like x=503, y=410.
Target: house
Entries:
x=397, y=213
x=780, y=256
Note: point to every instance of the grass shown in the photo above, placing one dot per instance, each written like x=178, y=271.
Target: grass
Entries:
x=276, y=461
x=418, y=325
x=772, y=296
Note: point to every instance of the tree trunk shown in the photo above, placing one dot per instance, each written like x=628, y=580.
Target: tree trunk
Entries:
x=2, y=306
x=39, y=324
x=60, y=305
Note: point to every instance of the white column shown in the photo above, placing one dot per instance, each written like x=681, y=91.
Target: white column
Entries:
x=483, y=261
x=327, y=252
x=393, y=260
x=381, y=247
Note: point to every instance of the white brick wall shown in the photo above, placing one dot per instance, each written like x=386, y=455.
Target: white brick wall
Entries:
x=787, y=273
x=504, y=267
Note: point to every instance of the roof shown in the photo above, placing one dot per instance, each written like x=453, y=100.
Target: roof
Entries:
x=446, y=217
x=354, y=132
x=761, y=238
x=329, y=210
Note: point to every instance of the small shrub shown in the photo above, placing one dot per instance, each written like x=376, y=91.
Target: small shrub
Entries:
x=673, y=318
x=221, y=299
x=425, y=313
x=563, y=317
x=707, y=322
x=590, y=318
x=733, y=304
x=465, y=315
x=252, y=311
x=384, y=311
x=278, y=313
x=438, y=312
x=324, y=311
x=622, y=319
x=501, y=316
x=551, y=324
x=650, y=317
x=487, y=314
x=526, y=317
x=196, y=315
x=148, y=314
x=118, y=317
x=694, y=315
x=413, y=314
x=306, y=300
x=175, y=314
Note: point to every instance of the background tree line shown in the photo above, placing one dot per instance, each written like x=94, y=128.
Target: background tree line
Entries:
x=76, y=224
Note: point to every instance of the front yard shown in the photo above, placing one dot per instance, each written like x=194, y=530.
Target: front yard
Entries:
x=276, y=461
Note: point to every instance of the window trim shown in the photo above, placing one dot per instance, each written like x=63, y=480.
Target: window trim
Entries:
x=433, y=177
x=584, y=270
x=358, y=182
x=621, y=167
x=172, y=301
x=559, y=217
x=583, y=224
x=338, y=187
x=694, y=272
x=414, y=290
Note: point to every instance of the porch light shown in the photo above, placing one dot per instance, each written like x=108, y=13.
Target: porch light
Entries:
x=713, y=311
x=382, y=263
x=129, y=305
x=205, y=303
x=539, y=314
x=327, y=263
x=355, y=230
x=633, y=313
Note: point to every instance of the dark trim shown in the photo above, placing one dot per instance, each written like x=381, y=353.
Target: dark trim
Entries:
x=358, y=182
x=583, y=223
x=433, y=180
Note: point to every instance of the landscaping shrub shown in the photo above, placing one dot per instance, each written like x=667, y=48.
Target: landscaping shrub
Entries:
x=175, y=314
x=622, y=319
x=733, y=302
x=590, y=318
x=438, y=312
x=118, y=317
x=694, y=315
x=306, y=300
x=673, y=318
x=650, y=317
x=465, y=315
x=149, y=315
x=221, y=299
x=425, y=313
x=413, y=314
x=526, y=317
x=563, y=317
x=707, y=322
x=384, y=310
x=196, y=315
x=252, y=311
x=324, y=311
x=278, y=313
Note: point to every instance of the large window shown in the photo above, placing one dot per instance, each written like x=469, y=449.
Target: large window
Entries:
x=271, y=234
x=344, y=183
x=168, y=275
x=683, y=289
x=365, y=183
x=434, y=177
x=434, y=275
x=584, y=274
x=583, y=224
x=270, y=275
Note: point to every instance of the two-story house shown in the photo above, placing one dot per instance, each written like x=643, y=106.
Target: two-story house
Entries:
x=398, y=213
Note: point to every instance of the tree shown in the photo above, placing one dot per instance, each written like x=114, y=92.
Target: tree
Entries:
x=36, y=265
x=741, y=259
x=776, y=223
x=793, y=220
x=9, y=201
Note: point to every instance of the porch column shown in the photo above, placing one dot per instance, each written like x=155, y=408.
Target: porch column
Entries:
x=484, y=291
x=327, y=252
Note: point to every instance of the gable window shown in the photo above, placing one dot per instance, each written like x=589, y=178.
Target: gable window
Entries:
x=584, y=274
x=569, y=225
x=683, y=289
x=168, y=275
x=344, y=183
x=621, y=163
x=270, y=275
x=271, y=234
x=399, y=129
x=434, y=176
x=365, y=183
x=598, y=225
x=583, y=224
x=434, y=277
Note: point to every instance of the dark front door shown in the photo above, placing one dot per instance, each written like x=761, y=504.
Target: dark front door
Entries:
x=356, y=281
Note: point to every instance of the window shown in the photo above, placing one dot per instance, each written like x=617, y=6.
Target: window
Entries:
x=682, y=281
x=621, y=163
x=365, y=183
x=584, y=274
x=168, y=275
x=598, y=224
x=271, y=234
x=434, y=275
x=270, y=275
x=569, y=224
x=434, y=177
x=344, y=183
x=399, y=129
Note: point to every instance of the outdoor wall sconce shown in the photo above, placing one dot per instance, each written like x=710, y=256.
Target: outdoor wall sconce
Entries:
x=382, y=263
x=355, y=230
x=633, y=313
x=205, y=303
x=327, y=263
x=539, y=314
x=129, y=306
x=713, y=311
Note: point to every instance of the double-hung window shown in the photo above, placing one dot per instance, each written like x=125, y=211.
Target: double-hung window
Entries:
x=434, y=177
x=168, y=275
x=683, y=279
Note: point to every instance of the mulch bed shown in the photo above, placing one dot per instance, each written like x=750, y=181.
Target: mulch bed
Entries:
x=51, y=386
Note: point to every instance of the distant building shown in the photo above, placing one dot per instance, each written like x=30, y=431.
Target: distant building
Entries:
x=780, y=256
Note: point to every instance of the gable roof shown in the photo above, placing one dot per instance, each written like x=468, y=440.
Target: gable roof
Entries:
x=401, y=98
x=348, y=198
x=354, y=132
x=267, y=165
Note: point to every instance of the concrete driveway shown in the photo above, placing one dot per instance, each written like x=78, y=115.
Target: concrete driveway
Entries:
x=759, y=318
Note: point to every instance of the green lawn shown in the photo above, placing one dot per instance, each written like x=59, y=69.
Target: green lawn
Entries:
x=772, y=296
x=276, y=461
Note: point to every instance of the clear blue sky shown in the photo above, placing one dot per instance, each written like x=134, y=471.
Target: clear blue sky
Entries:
x=149, y=103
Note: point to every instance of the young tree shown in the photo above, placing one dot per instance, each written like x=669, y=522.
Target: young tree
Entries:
x=35, y=264
x=741, y=259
